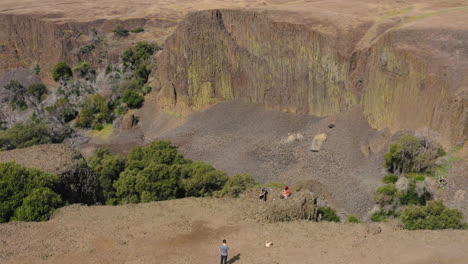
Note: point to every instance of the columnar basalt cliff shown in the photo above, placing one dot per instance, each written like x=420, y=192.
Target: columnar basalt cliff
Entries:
x=402, y=80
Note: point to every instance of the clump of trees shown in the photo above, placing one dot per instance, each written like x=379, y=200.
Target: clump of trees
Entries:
x=433, y=216
x=412, y=154
x=27, y=194
x=94, y=113
x=405, y=195
x=158, y=172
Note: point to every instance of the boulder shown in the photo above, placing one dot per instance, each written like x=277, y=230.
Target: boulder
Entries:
x=317, y=142
x=402, y=184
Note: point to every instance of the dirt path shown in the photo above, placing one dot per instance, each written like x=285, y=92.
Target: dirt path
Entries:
x=189, y=231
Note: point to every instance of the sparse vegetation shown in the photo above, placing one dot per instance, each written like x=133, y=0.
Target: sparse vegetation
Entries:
x=433, y=216
x=353, y=219
x=37, y=69
x=82, y=69
x=29, y=134
x=17, y=99
x=87, y=49
x=94, y=113
x=26, y=194
x=61, y=71
x=120, y=31
x=329, y=214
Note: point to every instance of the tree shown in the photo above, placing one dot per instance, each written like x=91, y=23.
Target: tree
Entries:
x=200, y=179
x=37, y=90
x=133, y=99
x=107, y=168
x=61, y=71
x=412, y=154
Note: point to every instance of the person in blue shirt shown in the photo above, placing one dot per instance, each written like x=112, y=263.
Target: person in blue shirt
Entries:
x=224, y=250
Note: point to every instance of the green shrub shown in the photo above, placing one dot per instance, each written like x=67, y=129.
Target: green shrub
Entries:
x=411, y=196
x=37, y=69
x=137, y=30
x=133, y=99
x=26, y=194
x=412, y=154
x=433, y=216
x=87, y=49
x=61, y=71
x=390, y=178
x=82, y=69
x=38, y=90
x=385, y=195
x=141, y=53
x=237, y=185
x=120, y=31
x=276, y=185
x=328, y=214
x=379, y=216
x=29, y=134
x=353, y=219
x=109, y=68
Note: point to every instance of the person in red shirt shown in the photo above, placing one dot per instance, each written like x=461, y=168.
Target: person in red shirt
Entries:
x=286, y=193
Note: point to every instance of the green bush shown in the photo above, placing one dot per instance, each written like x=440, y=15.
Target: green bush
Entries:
x=433, y=216
x=61, y=71
x=137, y=30
x=412, y=154
x=38, y=90
x=120, y=31
x=26, y=194
x=37, y=69
x=386, y=195
x=237, y=185
x=390, y=178
x=328, y=214
x=29, y=134
x=353, y=219
x=87, y=49
x=411, y=196
x=82, y=69
x=379, y=216
x=109, y=68
x=39, y=205
x=141, y=53
x=133, y=99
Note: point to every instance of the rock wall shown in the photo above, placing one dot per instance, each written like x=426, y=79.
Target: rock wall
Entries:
x=225, y=54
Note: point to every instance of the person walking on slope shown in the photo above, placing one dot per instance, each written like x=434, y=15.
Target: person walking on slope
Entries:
x=224, y=250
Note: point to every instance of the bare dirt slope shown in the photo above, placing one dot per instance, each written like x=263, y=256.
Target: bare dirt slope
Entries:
x=189, y=231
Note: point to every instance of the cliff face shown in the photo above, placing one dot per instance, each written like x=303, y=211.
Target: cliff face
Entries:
x=29, y=39
x=396, y=80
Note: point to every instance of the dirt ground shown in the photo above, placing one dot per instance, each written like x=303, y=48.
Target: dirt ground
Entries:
x=190, y=230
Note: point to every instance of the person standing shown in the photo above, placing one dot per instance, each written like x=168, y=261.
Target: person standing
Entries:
x=224, y=250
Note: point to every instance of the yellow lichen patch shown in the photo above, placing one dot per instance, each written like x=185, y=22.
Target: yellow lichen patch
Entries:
x=396, y=12
x=422, y=16
x=103, y=134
